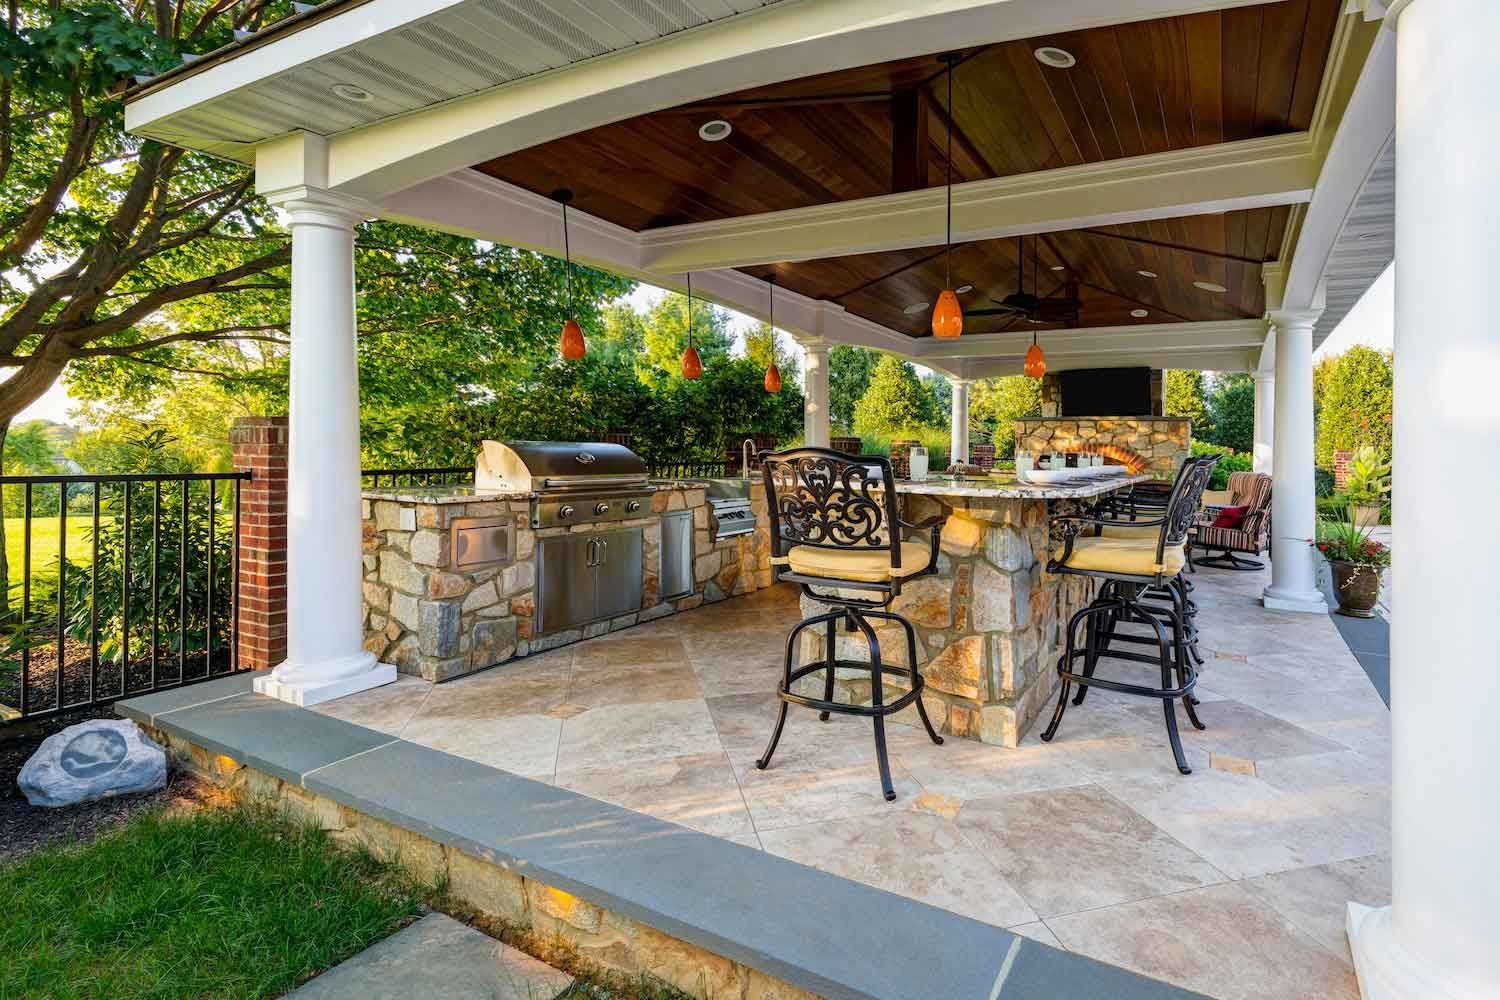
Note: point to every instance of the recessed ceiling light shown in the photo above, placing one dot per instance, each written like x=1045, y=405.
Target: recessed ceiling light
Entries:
x=1368, y=236
x=350, y=92
x=1209, y=286
x=1140, y=313
x=1147, y=274
x=964, y=289
x=715, y=130
x=1059, y=267
x=1051, y=55
x=915, y=308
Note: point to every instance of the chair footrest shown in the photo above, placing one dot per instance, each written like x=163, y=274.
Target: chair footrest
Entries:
x=1140, y=689
x=845, y=708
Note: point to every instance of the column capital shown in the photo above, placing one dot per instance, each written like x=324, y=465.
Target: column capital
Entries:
x=812, y=344
x=956, y=380
x=1262, y=378
x=1294, y=319
x=303, y=205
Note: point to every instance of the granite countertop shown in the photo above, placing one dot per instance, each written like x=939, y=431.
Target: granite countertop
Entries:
x=438, y=494
x=1009, y=488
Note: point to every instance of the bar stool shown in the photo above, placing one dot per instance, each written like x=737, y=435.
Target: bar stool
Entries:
x=1130, y=569
x=836, y=527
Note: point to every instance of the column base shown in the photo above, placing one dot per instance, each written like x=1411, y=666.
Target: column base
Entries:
x=305, y=691
x=1386, y=970
x=1304, y=601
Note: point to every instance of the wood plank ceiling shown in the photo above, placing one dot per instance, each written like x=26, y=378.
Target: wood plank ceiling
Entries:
x=1136, y=88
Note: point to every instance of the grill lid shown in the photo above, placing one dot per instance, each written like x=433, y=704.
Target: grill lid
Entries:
x=535, y=466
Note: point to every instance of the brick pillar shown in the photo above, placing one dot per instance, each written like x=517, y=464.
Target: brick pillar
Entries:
x=260, y=448
x=1341, y=460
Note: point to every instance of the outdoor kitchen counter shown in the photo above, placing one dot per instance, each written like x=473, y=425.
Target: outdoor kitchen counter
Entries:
x=989, y=621
x=437, y=618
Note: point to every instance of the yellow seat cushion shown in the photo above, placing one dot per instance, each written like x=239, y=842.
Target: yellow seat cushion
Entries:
x=1125, y=556
x=864, y=565
x=1127, y=530
x=1217, y=498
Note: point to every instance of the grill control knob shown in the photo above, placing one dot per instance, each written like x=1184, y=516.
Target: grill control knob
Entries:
x=564, y=512
x=601, y=509
x=633, y=507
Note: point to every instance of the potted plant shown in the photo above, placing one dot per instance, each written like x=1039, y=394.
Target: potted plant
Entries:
x=1366, y=487
x=1357, y=561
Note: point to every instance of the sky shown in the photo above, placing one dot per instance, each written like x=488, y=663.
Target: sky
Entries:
x=1372, y=321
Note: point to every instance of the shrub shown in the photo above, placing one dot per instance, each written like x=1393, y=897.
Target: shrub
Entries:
x=1229, y=461
x=1323, y=482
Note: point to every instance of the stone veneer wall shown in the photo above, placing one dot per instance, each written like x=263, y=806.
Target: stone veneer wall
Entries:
x=438, y=624
x=1164, y=443
x=989, y=623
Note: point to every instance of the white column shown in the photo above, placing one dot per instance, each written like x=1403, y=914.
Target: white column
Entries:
x=1440, y=937
x=959, y=447
x=815, y=430
x=325, y=653
x=1294, y=509
x=1265, y=419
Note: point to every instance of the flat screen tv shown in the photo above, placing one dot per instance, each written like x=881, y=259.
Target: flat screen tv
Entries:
x=1106, y=392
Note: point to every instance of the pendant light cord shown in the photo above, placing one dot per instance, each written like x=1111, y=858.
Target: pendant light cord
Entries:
x=948, y=158
x=568, y=260
x=690, y=309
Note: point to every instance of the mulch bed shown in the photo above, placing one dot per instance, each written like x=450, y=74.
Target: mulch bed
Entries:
x=78, y=680
x=24, y=827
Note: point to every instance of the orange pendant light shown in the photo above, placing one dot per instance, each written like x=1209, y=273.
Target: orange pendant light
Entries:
x=773, y=374
x=948, y=315
x=571, y=344
x=692, y=365
x=1036, y=361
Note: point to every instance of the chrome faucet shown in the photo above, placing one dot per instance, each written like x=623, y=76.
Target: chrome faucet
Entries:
x=746, y=447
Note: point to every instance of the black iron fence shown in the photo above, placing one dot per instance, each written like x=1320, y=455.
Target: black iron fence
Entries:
x=115, y=586
x=447, y=475
x=690, y=470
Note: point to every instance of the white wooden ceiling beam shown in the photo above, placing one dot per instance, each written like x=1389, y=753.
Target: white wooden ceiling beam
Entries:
x=1254, y=173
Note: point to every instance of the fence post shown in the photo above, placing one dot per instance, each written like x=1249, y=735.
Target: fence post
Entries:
x=260, y=448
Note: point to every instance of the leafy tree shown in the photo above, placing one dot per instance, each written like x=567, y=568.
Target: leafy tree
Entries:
x=1355, y=394
x=999, y=402
x=1184, y=397
x=763, y=346
x=941, y=392
x=896, y=400
x=1231, y=407
x=666, y=337
x=849, y=371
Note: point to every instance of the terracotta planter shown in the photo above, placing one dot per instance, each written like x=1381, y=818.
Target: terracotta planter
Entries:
x=1357, y=587
x=1367, y=516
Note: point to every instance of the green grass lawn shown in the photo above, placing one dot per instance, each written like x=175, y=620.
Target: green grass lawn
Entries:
x=44, y=552
x=227, y=902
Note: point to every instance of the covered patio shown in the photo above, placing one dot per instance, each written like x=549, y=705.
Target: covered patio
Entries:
x=1208, y=185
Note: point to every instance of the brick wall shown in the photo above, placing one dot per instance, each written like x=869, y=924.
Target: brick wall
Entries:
x=260, y=448
x=847, y=445
x=1341, y=460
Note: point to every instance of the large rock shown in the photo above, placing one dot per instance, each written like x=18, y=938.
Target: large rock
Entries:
x=93, y=760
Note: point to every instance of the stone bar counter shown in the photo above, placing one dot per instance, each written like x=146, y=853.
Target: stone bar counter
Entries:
x=990, y=622
x=437, y=619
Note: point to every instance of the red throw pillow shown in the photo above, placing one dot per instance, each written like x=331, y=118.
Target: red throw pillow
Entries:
x=1230, y=517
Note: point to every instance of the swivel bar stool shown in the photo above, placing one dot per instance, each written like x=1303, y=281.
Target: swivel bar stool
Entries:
x=836, y=530
x=1131, y=568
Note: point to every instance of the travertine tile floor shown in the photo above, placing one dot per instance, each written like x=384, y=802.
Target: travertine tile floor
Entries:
x=1231, y=881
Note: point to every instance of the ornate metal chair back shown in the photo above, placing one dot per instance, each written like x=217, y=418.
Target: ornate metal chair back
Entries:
x=830, y=500
x=1182, y=508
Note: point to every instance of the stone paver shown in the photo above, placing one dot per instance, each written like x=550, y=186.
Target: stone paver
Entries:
x=437, y=958
x=1230, y=881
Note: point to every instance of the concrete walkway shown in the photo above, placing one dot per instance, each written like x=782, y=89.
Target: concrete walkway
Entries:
x=438, y=958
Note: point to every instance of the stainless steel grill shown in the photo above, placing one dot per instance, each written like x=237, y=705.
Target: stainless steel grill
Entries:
x=732, y=516
x=570, y=482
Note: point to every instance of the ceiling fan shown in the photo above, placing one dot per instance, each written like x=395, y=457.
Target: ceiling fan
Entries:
x=1028, y=305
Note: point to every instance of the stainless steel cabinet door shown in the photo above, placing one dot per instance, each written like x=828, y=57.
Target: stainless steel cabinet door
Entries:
x=676, y=553
x=617, y=573
x=564, y=582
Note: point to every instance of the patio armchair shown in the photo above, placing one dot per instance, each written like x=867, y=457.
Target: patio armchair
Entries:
x=1130, y=571
x=1251, y=536
x=836, y=530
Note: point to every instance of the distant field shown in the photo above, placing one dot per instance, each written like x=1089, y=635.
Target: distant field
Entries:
x=44, y=552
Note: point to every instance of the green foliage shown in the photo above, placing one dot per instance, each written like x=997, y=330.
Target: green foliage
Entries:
x=1354, y=393
x=1230, y=461
x=1323, y=484
x=1369, y=478
x=895, y=402
x=935, y=439
x=1231, y=409
x=79, y=49
x=235, y=902
x=1183, y=396
x=666, y=337
x=1341, y=539
x=998, y=403
x=849, y=372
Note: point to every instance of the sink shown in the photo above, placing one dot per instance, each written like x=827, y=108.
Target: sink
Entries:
x=737, y=488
